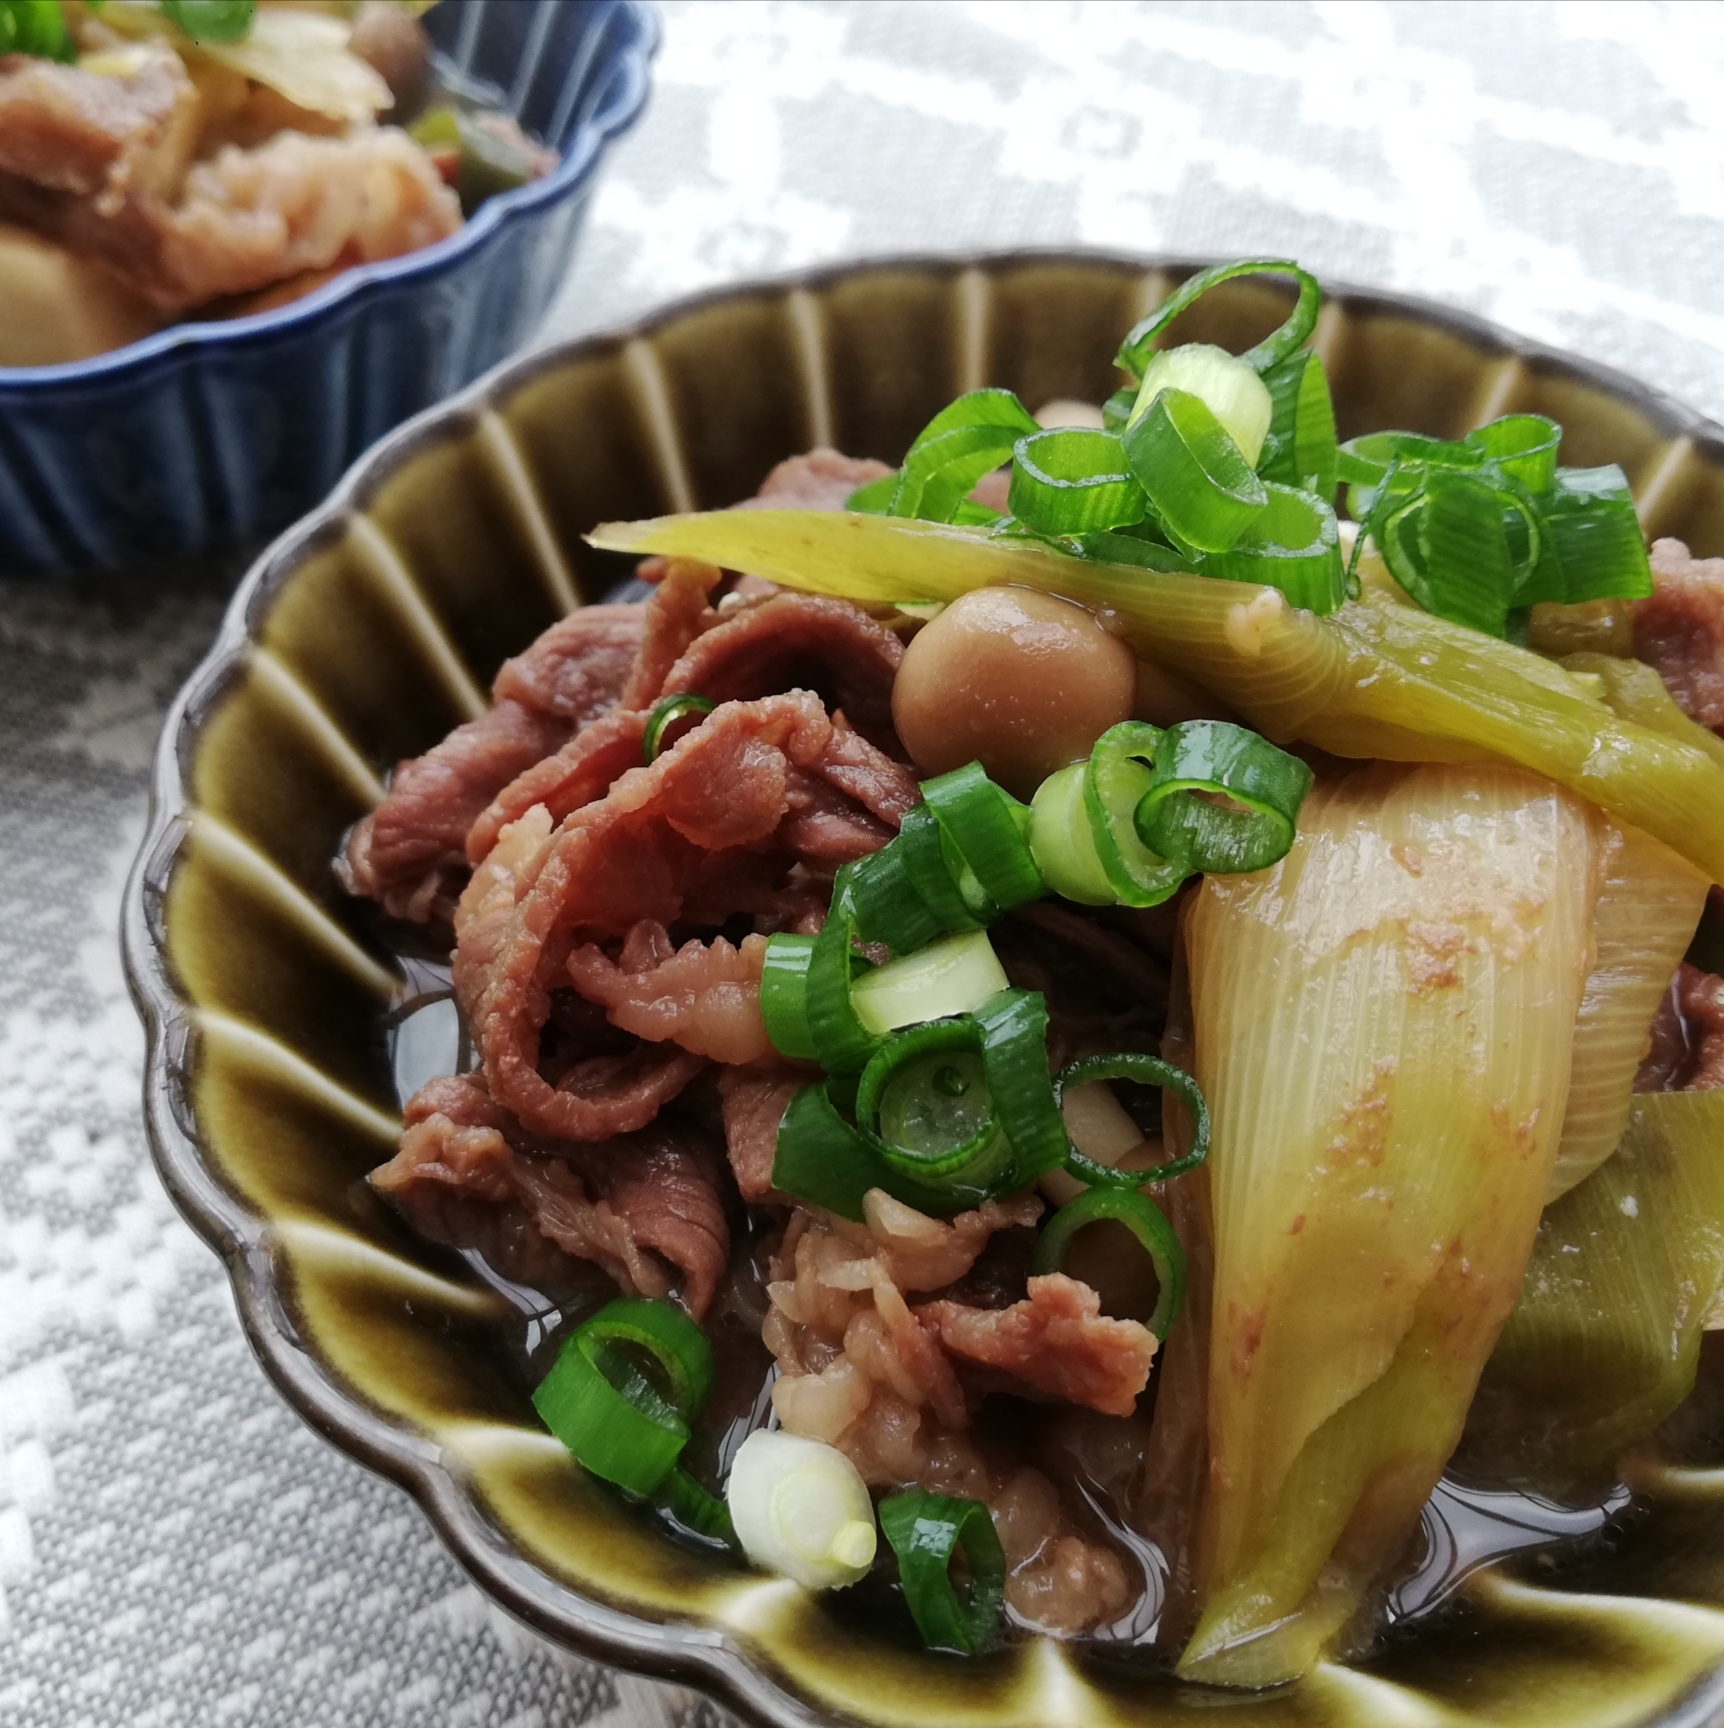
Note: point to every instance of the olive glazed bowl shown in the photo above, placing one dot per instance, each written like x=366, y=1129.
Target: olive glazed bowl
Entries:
x=377, y=623
x=211, y=435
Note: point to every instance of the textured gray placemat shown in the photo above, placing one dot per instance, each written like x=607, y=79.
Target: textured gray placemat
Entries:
x=175, y=1548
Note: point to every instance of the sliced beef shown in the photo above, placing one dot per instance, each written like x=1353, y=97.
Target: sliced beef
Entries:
x=580, y=667
x=797, y=641
x=486, y=908
x=883, y=786
x=410, y=853
x=675, y=615
x=635, y=854
x=645, y=1208
x=862, y=1370
x=246, y=218
x=610, y=1094
x=580, y=771
x=821, y=479
x=753, y=1101
x=1057, y=1341
x=1680, y=630
x=95, y=136
x=705, y=995
x=1686, y=1053
x=857, y=1366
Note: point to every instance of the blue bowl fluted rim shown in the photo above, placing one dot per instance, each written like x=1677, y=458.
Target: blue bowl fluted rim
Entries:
x=613, y=116
x=706, y=1655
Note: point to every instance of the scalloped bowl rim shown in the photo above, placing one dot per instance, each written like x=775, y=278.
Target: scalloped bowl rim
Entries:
x=214, y=334
x=704, y=1654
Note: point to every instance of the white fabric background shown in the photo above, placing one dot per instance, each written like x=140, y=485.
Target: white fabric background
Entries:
x=176, y=1550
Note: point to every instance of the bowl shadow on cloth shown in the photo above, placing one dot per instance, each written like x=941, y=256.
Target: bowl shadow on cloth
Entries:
x=378, y=622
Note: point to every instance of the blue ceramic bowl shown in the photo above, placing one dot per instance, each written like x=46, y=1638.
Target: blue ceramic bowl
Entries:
x=211, y=435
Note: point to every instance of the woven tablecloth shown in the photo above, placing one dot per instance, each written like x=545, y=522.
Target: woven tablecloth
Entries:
x=175, y=1547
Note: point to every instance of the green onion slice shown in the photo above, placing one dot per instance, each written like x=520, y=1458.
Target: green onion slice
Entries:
x=1231, y=389
x=1294, y=545
x=874, y=498
x=1116, y=410
x=1448, y=546
x=1201, y=760
x=1128, y=547
x=965, y=440
x=625, y=1387
x=824, y=1160
x=926, y=1531
x=1135, y=350
x=1061, y=841
x=37, y=28
x=929, y=863
x=666, y=714
x=695, y=1508
x=951, y=975
x=1147, y=1071
x=841, y=1042
x=926, y=1102
x=1073, y=481
x=784, y=994
x=1014, y=1029
x=211, y=20
x=1145, y=1220
x=1523, y=445
x=985, y=826
x=1116, y=778
x=820, y=1158
x=1197, y=479
x=1593, y=538
x=1365, y=461
x=885, y=901
x=1301, y=448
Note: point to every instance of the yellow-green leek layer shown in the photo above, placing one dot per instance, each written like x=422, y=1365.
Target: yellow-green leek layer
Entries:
x=1603, y=1343
x=1372, y=680
x=1383, y=1027
x=1649, y=904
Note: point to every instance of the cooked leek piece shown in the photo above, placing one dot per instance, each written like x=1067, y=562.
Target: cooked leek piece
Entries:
x=1383, y=1025
x=1649, y=906
x=1603, y=1343
x=1634, y=691
x=1371, y=680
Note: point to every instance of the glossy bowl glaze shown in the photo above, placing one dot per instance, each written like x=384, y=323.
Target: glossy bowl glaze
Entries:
x=216, y=434
x=379, y=621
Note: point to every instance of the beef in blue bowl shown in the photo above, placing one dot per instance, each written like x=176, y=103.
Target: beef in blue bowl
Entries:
x=239, y=243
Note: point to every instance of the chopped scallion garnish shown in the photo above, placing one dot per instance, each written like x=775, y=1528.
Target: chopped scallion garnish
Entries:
x=926, y=1532
x=672, y=711
x=985, y=827
x=1198, y=481
x=1136, y=350
x=925, y=1102
x=784, y=994
x=625, y=1387
x=1146, y=1071
x=953, y=975
x=1262, y=788
x=1117, y=778
x=1230, y=388
x=1074, y=481
x=1144, y=1219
